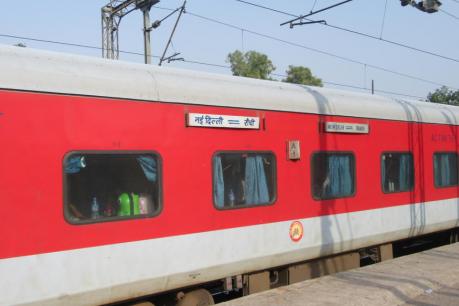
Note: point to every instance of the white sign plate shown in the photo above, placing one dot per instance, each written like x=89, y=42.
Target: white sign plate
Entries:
x=223, y=121
x=293, y=148
x=341, y=127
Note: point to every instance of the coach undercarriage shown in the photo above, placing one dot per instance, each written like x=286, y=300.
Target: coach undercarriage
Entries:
x=237, y=286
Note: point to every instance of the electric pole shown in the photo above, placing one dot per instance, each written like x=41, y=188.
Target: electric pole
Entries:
x=112, y=13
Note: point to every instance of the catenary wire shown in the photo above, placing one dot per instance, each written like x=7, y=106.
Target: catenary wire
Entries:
x=301, y=17
x=190, y=62
x=376, y=67
x=449, y=14
x=362, y=88
x=313, y=5
x=383, y=20
x=357, y=33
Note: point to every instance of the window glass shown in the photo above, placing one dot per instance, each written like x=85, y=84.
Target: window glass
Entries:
x=397, y=172
x=333, y=175
x=243, y=179
x=445, y=169
x=103, y=186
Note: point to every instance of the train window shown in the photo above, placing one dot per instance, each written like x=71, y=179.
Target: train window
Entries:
x=111, y=186
x=445, y=169
x=333, y=175
x=243, y=179
x=397, y=172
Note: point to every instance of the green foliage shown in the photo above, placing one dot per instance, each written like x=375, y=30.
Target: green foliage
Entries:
x=257, y=65
x=445, y=96
x=251, y=64
x=301, y=75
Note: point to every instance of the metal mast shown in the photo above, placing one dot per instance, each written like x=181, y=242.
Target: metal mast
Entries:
x=112, y=13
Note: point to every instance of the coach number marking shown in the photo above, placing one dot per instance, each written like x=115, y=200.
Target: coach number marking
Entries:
x=342, y=127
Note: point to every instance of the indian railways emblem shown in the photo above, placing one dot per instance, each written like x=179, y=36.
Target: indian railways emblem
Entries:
x=296, y=231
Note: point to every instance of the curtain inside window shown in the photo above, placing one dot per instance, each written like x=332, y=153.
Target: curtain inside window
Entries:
x=219, y=185
x=445, y=166
x=405, y=172
x=383, y=173
x=339, y=181
x=74, y=164
x=256, y=188
x=445, y=169
x=148, y=164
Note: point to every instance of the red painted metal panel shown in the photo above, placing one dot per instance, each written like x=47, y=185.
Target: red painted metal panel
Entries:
x=37, y=130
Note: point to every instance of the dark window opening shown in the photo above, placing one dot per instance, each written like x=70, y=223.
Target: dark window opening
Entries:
x=397, y=172
x=243, y=179
x=445, y=169
x=106, y=186
x=333, y=175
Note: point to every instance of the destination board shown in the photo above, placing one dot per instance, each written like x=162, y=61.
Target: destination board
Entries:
x=222, y=121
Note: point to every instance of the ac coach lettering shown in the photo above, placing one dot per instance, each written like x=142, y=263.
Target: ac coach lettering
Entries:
x=443, y=138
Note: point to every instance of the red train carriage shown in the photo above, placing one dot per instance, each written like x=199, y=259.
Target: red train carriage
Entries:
x=123, y=180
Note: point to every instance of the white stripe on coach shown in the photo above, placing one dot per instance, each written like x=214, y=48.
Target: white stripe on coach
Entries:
x=107, y=273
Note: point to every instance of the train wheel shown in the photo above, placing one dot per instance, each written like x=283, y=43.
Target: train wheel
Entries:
x=200, y=297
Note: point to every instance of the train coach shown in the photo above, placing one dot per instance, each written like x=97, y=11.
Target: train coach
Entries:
x=120, y=181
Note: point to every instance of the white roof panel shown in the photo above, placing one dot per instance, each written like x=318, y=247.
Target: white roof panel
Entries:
x=28, y=69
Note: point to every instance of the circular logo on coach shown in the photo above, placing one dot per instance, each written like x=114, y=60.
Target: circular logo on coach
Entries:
x=296, y=231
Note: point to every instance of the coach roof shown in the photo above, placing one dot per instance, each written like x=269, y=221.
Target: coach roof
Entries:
x=33, y=70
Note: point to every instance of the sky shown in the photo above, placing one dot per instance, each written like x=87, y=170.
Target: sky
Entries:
x=209, y=30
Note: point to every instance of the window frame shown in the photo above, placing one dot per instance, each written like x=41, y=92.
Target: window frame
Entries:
x=433, y=168
x=275, y=194
x=67, y=215
x=354, y=181
x=380, y=169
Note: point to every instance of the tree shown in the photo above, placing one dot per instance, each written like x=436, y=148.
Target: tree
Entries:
x=257, y=65
x=444, y=95
x=301, y=75
x=251, y=64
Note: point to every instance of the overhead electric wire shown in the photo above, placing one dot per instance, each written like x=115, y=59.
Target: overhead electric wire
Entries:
x=157, y=23
x=383, y=21
x=190, y=62
x=376, y=67
x=313, y=5
x=358, y=33
x=363, y=88
x=449, y=14
x=50, y=41
x=182, y=9
x=276, y=39
x=301, y=17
